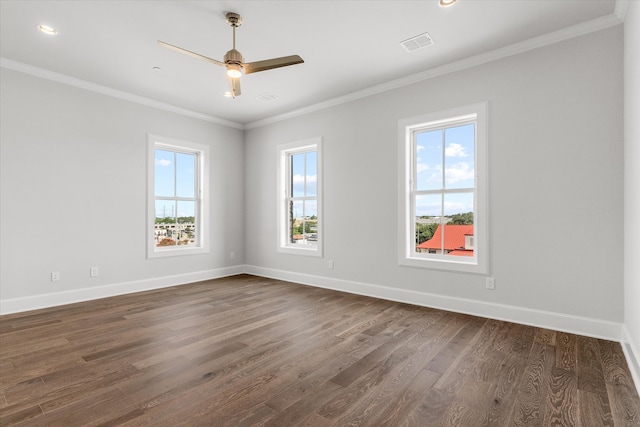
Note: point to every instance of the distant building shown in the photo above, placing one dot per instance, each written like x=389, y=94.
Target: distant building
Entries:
x=458, y=240
x=433, y=220
x=182, y=233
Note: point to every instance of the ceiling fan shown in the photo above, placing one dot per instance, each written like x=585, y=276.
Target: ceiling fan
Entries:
x=234, y=62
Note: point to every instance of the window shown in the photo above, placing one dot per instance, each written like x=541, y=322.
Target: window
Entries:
x=176, y=207
x=443, y=188
x=300, y=198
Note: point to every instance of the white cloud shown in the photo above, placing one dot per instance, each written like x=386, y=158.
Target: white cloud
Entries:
x=454, y=173
x=163, y=162
x=458, y=206
x=455, y=150
x=299, y=179
x=458, y=172
x=421, y=167
x=298, y=183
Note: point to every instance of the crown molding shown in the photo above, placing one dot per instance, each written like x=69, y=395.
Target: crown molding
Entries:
x=483, y=58
x=104, y=90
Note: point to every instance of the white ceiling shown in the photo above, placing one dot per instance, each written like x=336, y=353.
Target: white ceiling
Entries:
x=348, y=46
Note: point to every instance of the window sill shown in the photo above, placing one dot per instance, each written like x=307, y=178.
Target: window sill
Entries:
x=163, y=253
x=316, y=252
x=443, y=264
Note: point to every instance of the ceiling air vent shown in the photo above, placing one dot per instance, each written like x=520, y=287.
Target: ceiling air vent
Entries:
x=266, y=97
x=417, y=42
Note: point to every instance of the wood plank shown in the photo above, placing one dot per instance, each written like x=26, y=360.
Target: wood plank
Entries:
x=562, y=399
x=594, y=409
x=529, y=408
x=619, y=383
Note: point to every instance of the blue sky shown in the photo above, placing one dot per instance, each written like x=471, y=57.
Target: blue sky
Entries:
x=305, y=183
x=445, y=159
x=168, y=165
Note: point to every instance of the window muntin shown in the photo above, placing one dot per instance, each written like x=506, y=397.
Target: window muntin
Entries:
x=299, y=221
x=443, y=186
x=177, y=208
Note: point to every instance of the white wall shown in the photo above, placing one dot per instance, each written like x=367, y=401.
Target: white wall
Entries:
x=632, y=181
x=556, y=177
x=74, y=194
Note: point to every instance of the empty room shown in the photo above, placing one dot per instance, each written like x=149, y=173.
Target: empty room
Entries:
x=320, y=213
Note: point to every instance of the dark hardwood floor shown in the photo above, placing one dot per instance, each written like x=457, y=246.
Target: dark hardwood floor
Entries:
x=246, y=351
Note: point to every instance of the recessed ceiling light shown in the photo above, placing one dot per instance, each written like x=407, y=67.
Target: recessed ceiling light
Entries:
x=446, y=3
x=47, y=30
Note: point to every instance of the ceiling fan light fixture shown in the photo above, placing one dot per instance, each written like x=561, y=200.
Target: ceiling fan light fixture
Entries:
x=447, y=3
x=234, y=71
x=47, y=29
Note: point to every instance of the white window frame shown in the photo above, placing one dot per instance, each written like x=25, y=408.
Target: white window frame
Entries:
x=407, y=255
x=202, y=199
x=284, y=173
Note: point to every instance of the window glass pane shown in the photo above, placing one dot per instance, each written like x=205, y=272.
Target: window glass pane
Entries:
x=185, y=175
x=297, y=175
x=460, y=156
x=165, y=223
x=428, y=161
x=312, y=174
x=164, y=173
x=311, y=222
x=427, y=217
x=459, y=207
x=165, y=211
x=459, y=231
x=186, y=227
x=428, y=206
x=296, y=221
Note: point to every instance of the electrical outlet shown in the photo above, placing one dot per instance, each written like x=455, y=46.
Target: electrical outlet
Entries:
x=94, y=272
x=232, y=255
x=55, y=276
x=330, y=264
x=491, y=283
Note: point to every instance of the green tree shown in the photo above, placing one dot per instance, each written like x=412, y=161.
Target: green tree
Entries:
x=425, y=232
x=306, y=228
x=462, y=218
x=165, y=220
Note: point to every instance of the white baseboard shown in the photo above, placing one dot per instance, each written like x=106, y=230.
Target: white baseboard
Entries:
x=632, y=353
x=544, y=319
x=16, y=305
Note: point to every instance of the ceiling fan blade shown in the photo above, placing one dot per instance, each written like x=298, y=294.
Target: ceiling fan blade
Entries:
x=188, y=52
x=234, y=86
x=269, y=64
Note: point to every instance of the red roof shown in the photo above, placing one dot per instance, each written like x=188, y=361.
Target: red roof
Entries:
x=461, y=252
x=453, y=238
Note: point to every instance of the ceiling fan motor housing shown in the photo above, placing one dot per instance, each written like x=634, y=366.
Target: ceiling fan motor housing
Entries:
x=233, y=57
x=233, y=19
